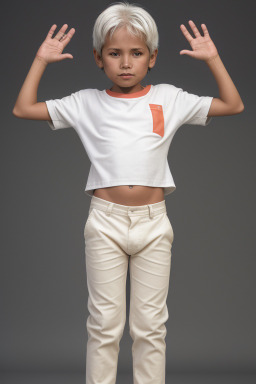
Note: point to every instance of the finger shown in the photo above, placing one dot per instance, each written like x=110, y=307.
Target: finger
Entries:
x=186, y=52
x=51, y=31
x=194, y=28
x=61, y=32
x=205, y=30
x=67, y=37
x=186, y=33
x=66, y=56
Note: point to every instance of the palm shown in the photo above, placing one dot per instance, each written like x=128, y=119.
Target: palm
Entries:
x=203, y=47
x=52, y=48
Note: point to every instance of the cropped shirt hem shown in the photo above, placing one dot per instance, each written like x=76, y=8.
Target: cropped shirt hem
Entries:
x=168, y=187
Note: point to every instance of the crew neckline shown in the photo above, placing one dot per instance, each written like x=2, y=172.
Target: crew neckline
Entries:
x=140, y=93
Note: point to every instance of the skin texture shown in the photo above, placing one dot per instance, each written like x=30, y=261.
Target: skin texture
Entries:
x=203, y=48
x=125, y=60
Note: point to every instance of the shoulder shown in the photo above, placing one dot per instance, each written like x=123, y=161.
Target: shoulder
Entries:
x=90, y=92
x=167, y=88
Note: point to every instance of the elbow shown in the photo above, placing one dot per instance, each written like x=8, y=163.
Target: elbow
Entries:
x=238, y=110
x=15, y=112
x=241, y=108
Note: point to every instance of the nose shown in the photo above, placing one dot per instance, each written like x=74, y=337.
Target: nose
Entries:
x=125, y=62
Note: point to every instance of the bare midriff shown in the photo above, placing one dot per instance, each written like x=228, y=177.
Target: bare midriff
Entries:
x=131, y=194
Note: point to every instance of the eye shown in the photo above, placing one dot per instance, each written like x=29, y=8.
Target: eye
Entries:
x=114, y=54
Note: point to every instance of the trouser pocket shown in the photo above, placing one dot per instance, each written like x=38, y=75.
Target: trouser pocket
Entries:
x=90, y=213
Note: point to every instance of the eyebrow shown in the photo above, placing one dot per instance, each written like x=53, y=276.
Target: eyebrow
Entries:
x=133, y=49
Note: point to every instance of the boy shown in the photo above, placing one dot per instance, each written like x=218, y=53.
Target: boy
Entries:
x=126, y=131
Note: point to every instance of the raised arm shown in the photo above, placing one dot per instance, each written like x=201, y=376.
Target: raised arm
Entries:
x=229, y=102
x=26, y=106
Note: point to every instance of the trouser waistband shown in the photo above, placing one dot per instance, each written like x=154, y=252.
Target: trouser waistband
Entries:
x=128, y=210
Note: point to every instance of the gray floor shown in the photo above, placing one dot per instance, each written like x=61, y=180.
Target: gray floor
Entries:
x=177, y=378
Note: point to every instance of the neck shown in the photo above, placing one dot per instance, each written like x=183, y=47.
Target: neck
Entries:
x=141, y=87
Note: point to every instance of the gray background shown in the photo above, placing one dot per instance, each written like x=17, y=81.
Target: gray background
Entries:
x=44, y=293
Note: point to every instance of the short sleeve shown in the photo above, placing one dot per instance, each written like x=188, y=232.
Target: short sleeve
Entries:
x=192, y=109
x=64, y=112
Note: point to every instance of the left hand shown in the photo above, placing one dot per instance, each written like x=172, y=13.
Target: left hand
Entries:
x=203, y=46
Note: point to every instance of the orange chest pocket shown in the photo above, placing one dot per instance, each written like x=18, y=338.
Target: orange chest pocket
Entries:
x=158, y=118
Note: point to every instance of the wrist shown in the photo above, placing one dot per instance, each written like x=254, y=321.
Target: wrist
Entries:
x=212, y=58
x=41, y=60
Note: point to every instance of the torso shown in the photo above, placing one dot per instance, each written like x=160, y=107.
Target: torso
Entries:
x=137, y=195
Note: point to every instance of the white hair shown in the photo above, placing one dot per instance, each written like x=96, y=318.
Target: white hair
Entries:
x=136, y=19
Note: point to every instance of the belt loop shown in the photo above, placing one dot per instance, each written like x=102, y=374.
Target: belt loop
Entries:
x=151, y=213
x=109, y=209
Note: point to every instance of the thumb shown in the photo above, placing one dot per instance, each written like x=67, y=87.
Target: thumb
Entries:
x=184, y=52
x=67, y=56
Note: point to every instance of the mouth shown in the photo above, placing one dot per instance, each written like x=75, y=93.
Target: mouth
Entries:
x=126, y=75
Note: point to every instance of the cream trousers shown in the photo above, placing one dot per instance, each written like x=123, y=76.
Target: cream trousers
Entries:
x=116, y=235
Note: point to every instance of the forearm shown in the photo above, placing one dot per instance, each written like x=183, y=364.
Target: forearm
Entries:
x=28, y=93
x=227, y=89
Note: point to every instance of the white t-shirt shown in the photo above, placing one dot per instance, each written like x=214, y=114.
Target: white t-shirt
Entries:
x=127, y=136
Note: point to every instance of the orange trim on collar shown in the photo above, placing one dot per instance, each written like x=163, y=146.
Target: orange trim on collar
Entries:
x=140, y=93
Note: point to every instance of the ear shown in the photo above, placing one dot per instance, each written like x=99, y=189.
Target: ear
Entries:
x=98, y=58
x=152, y=59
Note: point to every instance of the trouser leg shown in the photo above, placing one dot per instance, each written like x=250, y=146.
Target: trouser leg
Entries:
x=106, y=267
x=149, y=277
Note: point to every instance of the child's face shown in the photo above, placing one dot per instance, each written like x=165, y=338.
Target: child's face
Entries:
x=120, y=56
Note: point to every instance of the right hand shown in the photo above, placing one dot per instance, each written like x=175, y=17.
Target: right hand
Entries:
x=51, y=49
